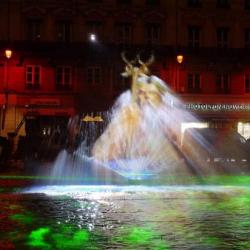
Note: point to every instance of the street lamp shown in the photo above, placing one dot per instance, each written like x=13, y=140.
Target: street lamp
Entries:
x=179, y=59
x=92, y=37
x=8, y=53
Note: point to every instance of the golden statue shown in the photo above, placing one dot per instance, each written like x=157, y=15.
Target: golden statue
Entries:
x=127, y=134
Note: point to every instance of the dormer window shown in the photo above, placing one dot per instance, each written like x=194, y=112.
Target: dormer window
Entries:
x=34, y=29
x=124, y=32
x=63, y=29
x=153, y=33
x=222, y=37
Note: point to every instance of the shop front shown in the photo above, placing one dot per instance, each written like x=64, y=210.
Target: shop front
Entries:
x=220, y=132
x=33, y=123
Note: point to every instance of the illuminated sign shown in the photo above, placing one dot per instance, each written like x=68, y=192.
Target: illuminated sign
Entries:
x=217, y=107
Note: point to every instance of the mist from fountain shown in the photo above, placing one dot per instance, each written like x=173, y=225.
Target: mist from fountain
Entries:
x=141, y=138
x=144, y=138
x=140, y=141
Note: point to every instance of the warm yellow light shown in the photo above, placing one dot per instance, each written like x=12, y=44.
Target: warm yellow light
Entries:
x=8, y=53
x=179, y=58
x=88, y=118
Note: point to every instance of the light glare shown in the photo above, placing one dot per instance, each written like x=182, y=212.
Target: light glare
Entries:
x=92, y=37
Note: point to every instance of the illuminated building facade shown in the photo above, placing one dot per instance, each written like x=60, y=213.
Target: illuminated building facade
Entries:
x=66, y=56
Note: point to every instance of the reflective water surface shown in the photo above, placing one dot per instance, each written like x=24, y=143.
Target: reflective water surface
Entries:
x=126, y=217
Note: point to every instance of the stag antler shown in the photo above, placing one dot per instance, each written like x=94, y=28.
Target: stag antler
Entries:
x=148, y=62
x=129, y=63
x=124, y=58
x=144, y=65
x=135, y=71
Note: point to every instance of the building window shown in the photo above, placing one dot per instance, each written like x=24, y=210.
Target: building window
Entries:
x=125, y=2
x=223, y=4
x=194, y=83
x=247, y=4
x=222, y=83
x=33, y=76
x=63, y=77
x=64, y=31
x=124, y=33
x=194, y=36
x=153, y=33
x=222, y=37
x=95, y=27
x=94, y=75
x=34, y=30
x=152, y=2
x=247, y=38
x=194, y=3
x=247, y=83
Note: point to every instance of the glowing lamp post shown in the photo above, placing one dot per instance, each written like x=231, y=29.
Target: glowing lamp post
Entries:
x=8, y=53
x=179, y=59
x=92, y=37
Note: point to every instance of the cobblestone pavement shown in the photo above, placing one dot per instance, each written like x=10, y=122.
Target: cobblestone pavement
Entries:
x=123, y=217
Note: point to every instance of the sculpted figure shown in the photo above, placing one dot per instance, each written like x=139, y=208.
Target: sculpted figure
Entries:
x=129, y=134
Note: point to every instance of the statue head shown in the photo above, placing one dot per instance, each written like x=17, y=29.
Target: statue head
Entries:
x=135, y=71
x=150, y=90
x=145, y=89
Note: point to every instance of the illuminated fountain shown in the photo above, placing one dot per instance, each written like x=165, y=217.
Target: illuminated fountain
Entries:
x=143, y=138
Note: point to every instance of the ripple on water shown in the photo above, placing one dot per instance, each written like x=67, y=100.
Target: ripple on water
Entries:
x=128, y=217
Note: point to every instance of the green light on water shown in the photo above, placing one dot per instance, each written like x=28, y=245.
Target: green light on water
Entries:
x=37, y=238
x=211, y=241
x=81, y=236
x=141, y=237
x=23, y=218
x=65, y=237
x=243, y=200
x=162, y=180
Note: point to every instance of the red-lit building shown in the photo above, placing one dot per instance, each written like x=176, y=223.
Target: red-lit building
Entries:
x=57, y=69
